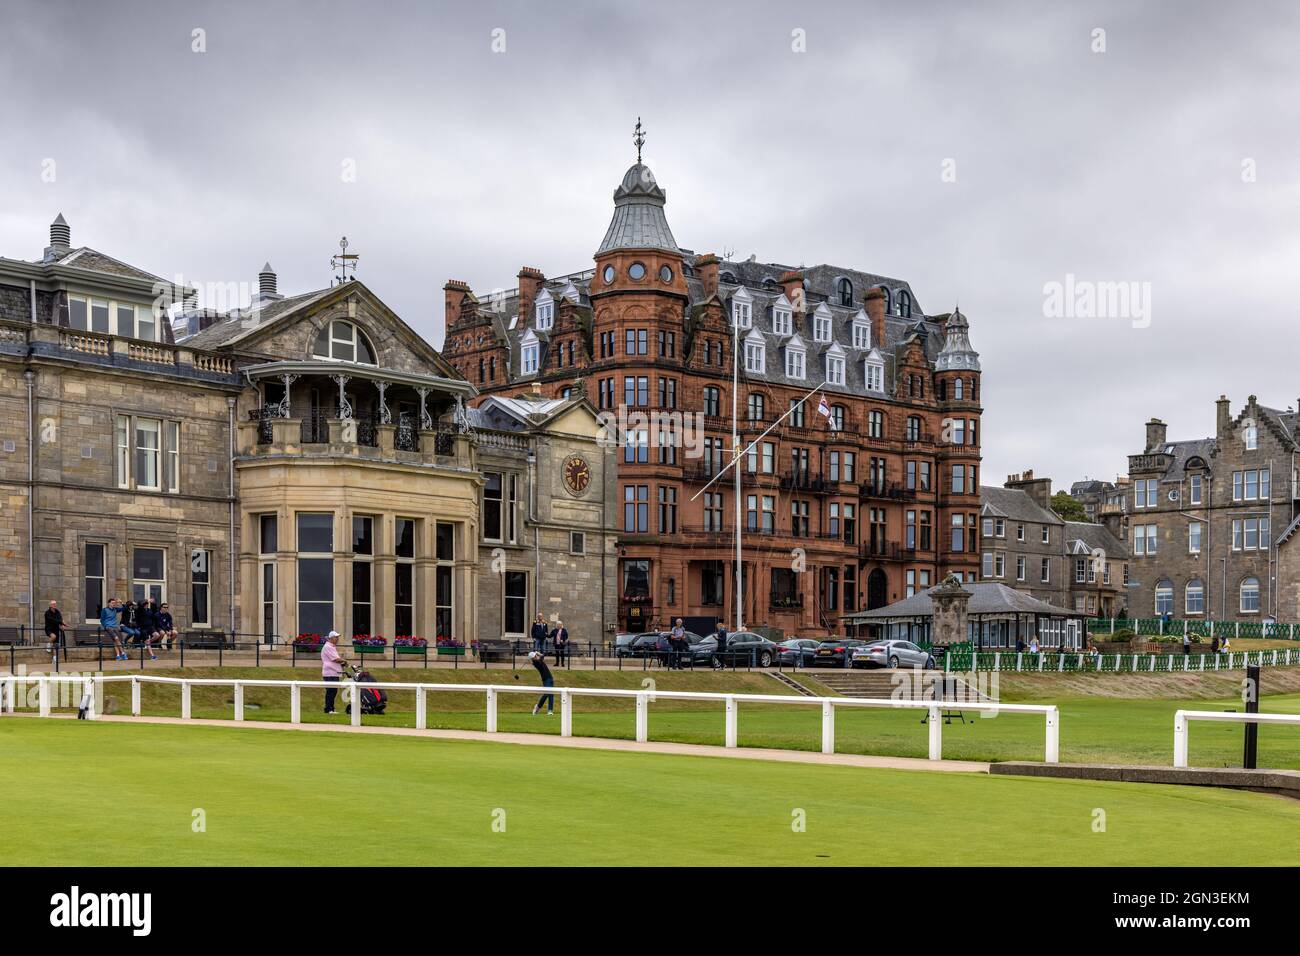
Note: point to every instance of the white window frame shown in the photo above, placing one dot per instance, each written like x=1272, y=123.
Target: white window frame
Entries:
x=141, y=314
x=822, y=321
x=528, y=359
x=782, y=320
x=834, y=369
x=861, y=333
x=544, y=311
x=875, y=376
x=794, y=363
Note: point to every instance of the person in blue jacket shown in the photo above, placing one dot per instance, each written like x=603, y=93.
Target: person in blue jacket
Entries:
x=110, y=621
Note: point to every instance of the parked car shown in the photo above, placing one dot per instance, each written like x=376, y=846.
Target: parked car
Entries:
x=892, y=654
x=623, y=644
x=798, y=652
x=700, y=650
x=747, y=649
x=835, y=653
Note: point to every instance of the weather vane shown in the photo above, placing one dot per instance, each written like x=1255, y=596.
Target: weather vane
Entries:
x=343, y=260
x=639, y=139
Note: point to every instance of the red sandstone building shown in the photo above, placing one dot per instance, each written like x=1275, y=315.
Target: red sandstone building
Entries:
x=841, y=514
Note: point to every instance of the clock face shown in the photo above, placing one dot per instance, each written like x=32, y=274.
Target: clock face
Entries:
x=577, y=475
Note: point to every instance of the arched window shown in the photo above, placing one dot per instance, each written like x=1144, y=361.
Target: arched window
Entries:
x=958, y=386
x=343, y=342
x=889, y=300
x=904, y=305
x=1164, y=598
x=1195, y=597
x=844, y=291
x=728, y=278
x=1250, y=596
x=1251, y=435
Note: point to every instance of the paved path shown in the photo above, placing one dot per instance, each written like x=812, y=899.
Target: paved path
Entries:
x=586, y=743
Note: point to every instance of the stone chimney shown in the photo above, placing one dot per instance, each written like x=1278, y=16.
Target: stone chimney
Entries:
x=1039, y=489
x=875, y=301
x=1222, y=417
x=1156, y=430
x=530, y=283
x=792, y=285
x=266, y=281
x=706, y=268
x=457, y=301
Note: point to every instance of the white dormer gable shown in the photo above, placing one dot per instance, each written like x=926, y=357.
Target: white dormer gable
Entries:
x=1081, y=547
x=822, y=321
x=861, y=327
x=796, y=358
x=742, y=309
x=873, y=371
x=544, y=310
x=835, y=364
x=782, y=316
x=570, y=292
x=755, y=352
x=529, y=353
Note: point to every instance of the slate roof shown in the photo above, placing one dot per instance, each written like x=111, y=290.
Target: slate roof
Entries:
x=1016, y=504
x=85, y=257
x=225, y=330
x=987, y=597
x=1094, y=536
x=1181, y=452
x=638, y=221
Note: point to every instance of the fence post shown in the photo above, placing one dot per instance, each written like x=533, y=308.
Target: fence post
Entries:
x=491, y=710
x=1053, y=749
x=566, y=714
x=729, y=738
x=828, y=726
x=642, y=718
x=1180, y=739
x=43, y=689
x=185, y=700
x=295, y=703
x=356, y=704
x=239, y=701
x=936, y=734
x=421, y=711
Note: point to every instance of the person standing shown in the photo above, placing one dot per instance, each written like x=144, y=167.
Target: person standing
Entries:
x=539, y=634
x=331, y=668
x=110, y=623
x=677, y=642
x=560, y=641
x=539, y=662
x=144, y=617
x=54, y=629
x=720, y=659
x=1187, y=642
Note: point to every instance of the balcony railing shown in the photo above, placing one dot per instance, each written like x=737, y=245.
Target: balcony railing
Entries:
x=886, y=550
x=886, y=490
x=785, y=603
x=808, y=482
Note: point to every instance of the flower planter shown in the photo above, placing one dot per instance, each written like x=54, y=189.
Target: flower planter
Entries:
x=452, y=651
x=369, y=648
x=408, y=649
x=307, y=649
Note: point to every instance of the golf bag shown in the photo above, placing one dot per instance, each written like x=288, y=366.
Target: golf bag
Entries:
x=373, y=700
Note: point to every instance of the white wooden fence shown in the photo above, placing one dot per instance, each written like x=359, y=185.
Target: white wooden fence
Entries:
x=1183, y=718
x=9, y=685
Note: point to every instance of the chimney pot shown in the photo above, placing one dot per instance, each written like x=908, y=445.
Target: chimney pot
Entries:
x=706, y=267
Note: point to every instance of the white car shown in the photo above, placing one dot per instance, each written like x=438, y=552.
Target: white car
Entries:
x=892, y=654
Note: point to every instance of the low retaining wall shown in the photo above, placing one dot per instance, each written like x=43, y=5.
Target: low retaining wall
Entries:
x=1273, y=781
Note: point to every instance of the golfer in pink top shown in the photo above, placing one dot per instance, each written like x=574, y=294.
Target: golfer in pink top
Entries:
x=331, y=667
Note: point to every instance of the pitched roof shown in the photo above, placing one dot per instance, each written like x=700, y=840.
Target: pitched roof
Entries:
x=987, y=597
x=1015, y=503
x=1094, y=537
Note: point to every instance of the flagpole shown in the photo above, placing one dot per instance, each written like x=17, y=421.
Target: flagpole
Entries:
x=735, y=459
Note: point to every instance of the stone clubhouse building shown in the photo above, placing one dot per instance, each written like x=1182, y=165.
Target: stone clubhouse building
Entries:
x=302, y=463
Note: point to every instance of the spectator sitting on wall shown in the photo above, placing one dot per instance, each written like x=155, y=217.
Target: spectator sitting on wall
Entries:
x=166, y=628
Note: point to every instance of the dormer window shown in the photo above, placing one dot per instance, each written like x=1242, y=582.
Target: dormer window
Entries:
x=545, y=311
x=343, y=342
x=835, y=367
x=844, y=291
x=861, y=331
x=529, y=353
x=795, y=358
x=782, y=317
x=875, y=376
x=742, y=310
x=904, y=305
x=755, y=354
x=822, y=324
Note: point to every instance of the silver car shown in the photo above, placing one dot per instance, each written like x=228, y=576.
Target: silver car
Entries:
x=892, y=654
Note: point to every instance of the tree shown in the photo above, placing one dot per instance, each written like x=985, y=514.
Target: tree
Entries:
x=1068, y=508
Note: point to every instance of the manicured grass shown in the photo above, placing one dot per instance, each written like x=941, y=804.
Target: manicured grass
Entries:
x=110, y=793
x=1093, y=729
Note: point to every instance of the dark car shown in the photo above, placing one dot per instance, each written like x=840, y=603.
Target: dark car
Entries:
x=623, y=644
x=835, y=653
x=798, y=652
x=747, y=649
x=655, y=644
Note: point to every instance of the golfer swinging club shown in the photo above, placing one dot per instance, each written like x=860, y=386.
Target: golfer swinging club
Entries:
x=539, y=662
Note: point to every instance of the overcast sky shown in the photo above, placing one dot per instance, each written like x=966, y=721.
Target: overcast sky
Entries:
x=979, y=151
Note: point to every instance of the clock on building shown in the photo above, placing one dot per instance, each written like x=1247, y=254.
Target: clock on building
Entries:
x=577, y=475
